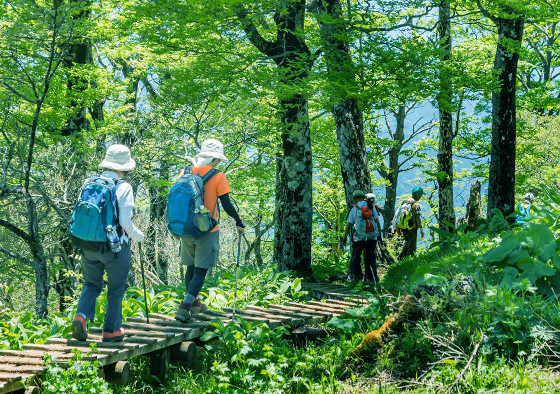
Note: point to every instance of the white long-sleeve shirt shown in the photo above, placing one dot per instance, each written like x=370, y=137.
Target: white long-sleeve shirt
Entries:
x=125, y=202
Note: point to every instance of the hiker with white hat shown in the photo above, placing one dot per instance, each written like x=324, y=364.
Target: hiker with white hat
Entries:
x=200, y=254
x=117, y=163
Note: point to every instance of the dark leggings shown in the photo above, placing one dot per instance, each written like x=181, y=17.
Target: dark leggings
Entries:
x=194, y=279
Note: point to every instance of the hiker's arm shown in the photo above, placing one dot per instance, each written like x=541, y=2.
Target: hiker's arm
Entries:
x=347, y=229
x=231, y=211
x=418, y=216
x=126, y=204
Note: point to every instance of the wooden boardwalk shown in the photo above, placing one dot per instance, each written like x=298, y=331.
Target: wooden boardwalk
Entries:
x=164, y=338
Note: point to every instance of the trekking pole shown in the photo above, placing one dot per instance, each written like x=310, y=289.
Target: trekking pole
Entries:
x=143, y=280
x=236, y=273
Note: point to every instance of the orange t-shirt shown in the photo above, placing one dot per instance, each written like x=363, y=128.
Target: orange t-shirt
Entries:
x=215, y=187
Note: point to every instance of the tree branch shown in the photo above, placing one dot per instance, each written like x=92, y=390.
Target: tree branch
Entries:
x=16, y=256
x=16, y=230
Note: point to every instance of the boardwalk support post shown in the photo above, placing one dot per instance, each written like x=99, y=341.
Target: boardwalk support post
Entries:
x=159, y=360
x=184, y=351
x=118, y=373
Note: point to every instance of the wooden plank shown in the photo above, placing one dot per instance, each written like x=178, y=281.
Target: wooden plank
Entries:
x=323, y=316
x=271, y=315
x=319, y=308
x=308, y=319
x=34, y=353
x=326, y=306
x=272, y=323
x=30, y=360
x=11, y=377
x=98, y=342
x=346, y=304
x=188, y=330
x=307, y=308
x=161, y=316
x=26, y=369
x=133, y=332
x=62, y=348
x=168, y=326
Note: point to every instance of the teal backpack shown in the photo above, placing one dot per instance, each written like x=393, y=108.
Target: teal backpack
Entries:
x=524, y=214
x=95, y=209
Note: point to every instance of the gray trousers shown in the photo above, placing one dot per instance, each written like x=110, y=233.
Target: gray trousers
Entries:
x=116, y=265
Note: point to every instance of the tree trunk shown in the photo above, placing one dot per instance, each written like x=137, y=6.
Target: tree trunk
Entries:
x=501, y=181
x=348, y=118
x=391, y=174
x=80, y=52
x=293, y=210
x=155, y=254
x=294, y=224
x=474, y=206
x=39, y=259
x=444, y=99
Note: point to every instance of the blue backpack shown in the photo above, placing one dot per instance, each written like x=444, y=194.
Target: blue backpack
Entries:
x=95, y=209
x=185, y=219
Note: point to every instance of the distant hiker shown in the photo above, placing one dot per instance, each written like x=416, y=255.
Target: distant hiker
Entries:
x=101, y=256
x=364, y=227
x=200, y=253
x=408, y=220
x=524, y=209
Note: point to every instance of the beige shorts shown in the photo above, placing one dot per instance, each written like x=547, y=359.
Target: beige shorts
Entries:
x=201, y=252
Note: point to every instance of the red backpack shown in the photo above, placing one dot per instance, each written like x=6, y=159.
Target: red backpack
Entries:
x=365, y=228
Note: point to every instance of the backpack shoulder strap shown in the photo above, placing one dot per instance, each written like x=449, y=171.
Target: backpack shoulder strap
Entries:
x=209, y=175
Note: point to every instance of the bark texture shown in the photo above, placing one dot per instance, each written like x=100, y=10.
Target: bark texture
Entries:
x=445, y=148
x=474, y=206
x=346, y=112
x=293, y=210
x=501, y=181
x=155, y=249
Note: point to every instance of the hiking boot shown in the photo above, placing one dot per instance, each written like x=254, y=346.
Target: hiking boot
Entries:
x=184, y=313
x=79, y=330
x=198, y=307
x=115, y=336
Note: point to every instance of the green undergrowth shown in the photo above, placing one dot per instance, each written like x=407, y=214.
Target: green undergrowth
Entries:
x=485, y=319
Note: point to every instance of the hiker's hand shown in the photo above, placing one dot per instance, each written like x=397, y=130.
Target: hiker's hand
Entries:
x=422, y=233
x=240, y=230
x=343, y=241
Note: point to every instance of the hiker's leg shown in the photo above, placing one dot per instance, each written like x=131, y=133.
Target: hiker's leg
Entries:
x=413, y=240
x=206, y=249
x=189, y=275
x=117, y=266
x=195, y=285
x=410, y=237
x=188, y=250
x=92, y=270
x=356, y=259
x=370, y=268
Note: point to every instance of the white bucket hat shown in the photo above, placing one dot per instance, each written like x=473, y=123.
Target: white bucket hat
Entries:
x=370, y=196
x=209, y=150
x=118, y=158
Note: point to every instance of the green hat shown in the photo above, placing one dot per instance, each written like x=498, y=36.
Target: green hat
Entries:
x=417, y=191
x=358, y=193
